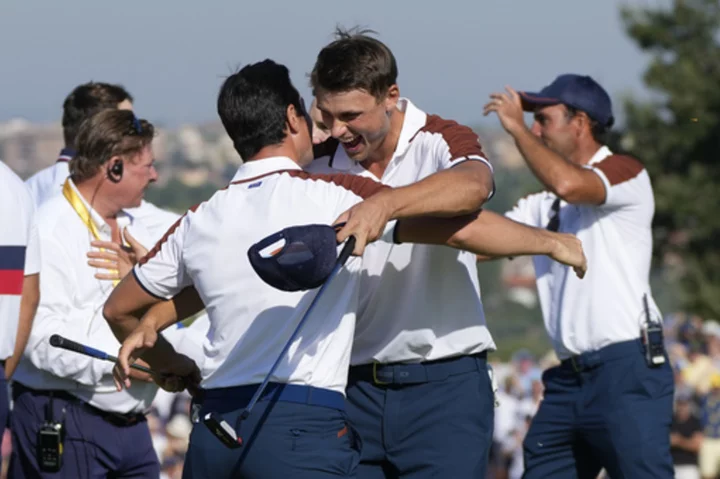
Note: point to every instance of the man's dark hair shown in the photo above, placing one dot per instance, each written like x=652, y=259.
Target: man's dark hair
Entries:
x=355, y=61
x=86, y=100
x=599, y=132
x=107, y=134
x=253, y=103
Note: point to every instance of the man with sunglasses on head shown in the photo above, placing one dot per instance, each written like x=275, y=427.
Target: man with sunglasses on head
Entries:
x=82, y=103
x=68, y=418
x=609, y=403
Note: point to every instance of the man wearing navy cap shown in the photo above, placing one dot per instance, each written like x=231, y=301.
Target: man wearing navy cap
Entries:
x=609, y=403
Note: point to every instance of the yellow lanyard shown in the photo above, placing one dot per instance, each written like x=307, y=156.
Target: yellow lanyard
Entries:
x=79, y=207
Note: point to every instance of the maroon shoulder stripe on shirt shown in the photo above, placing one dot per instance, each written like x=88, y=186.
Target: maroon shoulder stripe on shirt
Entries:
x=461, y=140
x=156, y=249
x=248, y=180
x=620, y=168
x=361, y=186
x=163, y=240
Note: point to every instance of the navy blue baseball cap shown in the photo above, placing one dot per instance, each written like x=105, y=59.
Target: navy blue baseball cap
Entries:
x=298, y=258
x=577, y=91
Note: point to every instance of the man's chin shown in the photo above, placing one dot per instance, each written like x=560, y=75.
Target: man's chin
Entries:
x=133, y=204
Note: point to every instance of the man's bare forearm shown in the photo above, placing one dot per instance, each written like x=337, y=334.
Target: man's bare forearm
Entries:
x=558, y=174
x=28, y=307
x=457, y=191
x=486, y=233
x=159, y=317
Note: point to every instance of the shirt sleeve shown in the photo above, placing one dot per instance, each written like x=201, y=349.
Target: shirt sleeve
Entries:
x=162, y=271
x=57, y=314
x=454, y=144
x=626, y=181
x=527, y=211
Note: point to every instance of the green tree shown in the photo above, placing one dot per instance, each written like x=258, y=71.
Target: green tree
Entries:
x=677, y=135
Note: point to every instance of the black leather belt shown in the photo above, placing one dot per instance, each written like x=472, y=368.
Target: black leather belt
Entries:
x=416, y=373
x=114, y=418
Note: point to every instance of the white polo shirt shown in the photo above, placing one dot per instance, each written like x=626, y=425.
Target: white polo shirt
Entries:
x=250, y=321
x=71, y=302
x=606, y=306
x=418, y=302
x=19, y=255
x=49, y=181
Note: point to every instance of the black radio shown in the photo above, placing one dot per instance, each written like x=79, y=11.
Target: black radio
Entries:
x=652, y=337
x=50, y=441
x=50, y=447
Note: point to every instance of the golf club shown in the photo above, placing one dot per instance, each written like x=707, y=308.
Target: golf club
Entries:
x=217, y=425
x=60, y=342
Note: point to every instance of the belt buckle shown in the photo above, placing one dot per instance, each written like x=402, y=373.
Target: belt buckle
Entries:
x=376, y=380
x=575, y=365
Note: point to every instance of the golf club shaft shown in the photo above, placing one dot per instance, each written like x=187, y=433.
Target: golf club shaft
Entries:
x=344, y=255
x=60, y=342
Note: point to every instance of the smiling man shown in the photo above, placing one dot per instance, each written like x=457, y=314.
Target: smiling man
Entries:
x=419, y=388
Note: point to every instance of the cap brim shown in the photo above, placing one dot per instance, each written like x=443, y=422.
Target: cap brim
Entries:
x=532, y=100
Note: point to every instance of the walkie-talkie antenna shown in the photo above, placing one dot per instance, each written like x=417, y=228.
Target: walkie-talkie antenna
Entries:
x=647, y=309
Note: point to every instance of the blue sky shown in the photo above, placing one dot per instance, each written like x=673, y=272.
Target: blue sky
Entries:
x=172, y=55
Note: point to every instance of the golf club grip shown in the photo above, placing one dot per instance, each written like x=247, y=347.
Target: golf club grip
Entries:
x=347, y=250
x=65, y=343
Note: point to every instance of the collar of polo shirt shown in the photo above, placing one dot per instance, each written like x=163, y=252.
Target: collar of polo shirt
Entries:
x=251, y=169
x=99, y=222
x=600, y=155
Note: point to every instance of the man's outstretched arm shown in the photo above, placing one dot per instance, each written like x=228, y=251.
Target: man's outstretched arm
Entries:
x=489, y=234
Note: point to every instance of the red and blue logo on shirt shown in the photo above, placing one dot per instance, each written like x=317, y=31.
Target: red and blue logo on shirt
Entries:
x=12, y=269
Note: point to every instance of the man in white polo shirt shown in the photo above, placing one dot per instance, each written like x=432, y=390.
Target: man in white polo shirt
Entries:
x=420, y=392
x=607, y=405
x=104, y=432
x=19, y=281
x=82, y=103
x=299, y=429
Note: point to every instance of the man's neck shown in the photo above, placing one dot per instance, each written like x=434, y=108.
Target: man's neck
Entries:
x=91, y=191
x=283, y=149
x=584, y=153
x=378, y=161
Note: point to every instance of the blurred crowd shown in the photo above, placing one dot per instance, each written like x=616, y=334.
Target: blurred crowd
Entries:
x=693, y=346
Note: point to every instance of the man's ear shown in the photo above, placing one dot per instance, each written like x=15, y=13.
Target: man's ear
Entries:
x=584, y=123
x=391, y=98
x=293, y=119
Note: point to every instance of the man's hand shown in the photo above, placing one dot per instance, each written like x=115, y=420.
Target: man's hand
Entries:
x=141, y=339
x=365, y=221
x=508, y=107
x=568, y=250
x=117, y=260
x=140, y=375
x=180, y=374
x=11, y=365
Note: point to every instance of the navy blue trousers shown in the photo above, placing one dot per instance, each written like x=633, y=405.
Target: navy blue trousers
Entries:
x=608, y=410
x=93, y=447
x=281, y=438
x=432, y=420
